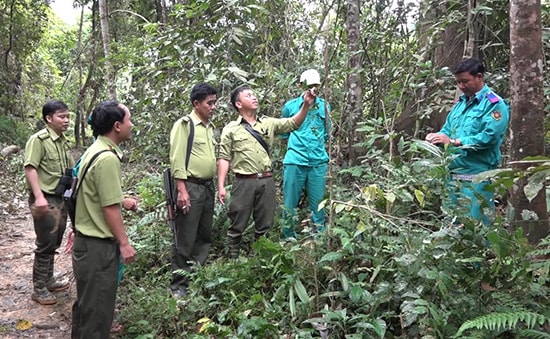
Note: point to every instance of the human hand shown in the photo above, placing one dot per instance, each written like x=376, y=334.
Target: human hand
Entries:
x=70, y=242
x=309, y=96
x=437, y=138
x=184, y=201
x=40, y=208
x=130, y=204
x=221, y=195
x=127, y=253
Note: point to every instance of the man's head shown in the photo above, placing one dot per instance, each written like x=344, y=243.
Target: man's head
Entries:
x=112, y=118
x=243, y=98
x=469, y=76
x=310, y=78
x=203, y=99
x=56, y=114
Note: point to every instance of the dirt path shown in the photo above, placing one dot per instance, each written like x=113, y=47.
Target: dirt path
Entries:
x=16, y=259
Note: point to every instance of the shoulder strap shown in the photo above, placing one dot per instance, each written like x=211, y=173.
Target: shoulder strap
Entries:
x=86, y=169
x=190, y=141
x=255, y=134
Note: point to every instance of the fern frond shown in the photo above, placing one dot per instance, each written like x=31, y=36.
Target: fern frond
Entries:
x=503, y=321
x=532, y=334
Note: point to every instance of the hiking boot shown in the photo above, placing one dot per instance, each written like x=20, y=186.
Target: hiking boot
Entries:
x=179, y=292
x=57, y=285
x=43, y=296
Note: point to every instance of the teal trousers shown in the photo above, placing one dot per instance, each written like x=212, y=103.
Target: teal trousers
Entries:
x=470, y=200
x=295, y=179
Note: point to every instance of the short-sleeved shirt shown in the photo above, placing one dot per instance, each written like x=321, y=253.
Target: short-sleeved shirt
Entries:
x=306, y=145
x=50, y=154
x=246, y=154
x=202, y=162
x=480, y=124
x=101, y=187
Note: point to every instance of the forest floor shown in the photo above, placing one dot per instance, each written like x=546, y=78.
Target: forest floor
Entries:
x=20, y=317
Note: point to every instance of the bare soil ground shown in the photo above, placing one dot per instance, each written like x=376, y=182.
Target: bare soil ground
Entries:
x=20, y=317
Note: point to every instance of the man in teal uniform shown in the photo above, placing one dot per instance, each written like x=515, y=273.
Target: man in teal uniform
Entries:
x=306, y=159
x=47, y=160
x=475, y=128
x=243, y=146
x=193, y=177
x=101, y=240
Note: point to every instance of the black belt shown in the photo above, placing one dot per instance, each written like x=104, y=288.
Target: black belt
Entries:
x=261, y=175
x=199, y=181
x=82, y=235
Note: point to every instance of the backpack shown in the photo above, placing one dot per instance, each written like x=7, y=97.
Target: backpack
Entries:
x=71, y=193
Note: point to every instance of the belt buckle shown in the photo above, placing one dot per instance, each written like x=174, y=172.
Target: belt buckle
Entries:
x=260, y=175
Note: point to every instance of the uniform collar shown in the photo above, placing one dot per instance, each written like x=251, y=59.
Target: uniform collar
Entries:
x=479, y=95
x=54, y=135
x=197, y=120
x=240, y=119
x=110, y=145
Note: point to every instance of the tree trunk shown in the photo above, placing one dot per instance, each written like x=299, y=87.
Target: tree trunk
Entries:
x=106, y=37
x=527, y=112
x=353, y=81
x=160, y=7
x=449, y=48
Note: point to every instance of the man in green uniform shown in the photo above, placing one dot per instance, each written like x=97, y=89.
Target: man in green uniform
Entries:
x=475, y=128
x=193, y=177
x=101, y=240
x=306, y=158
x=243, y=147
x=47, y=159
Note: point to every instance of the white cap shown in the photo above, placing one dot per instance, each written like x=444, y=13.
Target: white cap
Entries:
x=310, y=77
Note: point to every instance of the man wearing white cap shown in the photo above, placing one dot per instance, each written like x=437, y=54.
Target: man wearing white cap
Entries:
x=306, y=160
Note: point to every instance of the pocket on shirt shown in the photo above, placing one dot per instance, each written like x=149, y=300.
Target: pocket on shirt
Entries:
x=241, y=144
x=473, y=123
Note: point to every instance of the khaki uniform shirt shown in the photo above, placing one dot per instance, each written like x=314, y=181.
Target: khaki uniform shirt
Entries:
x=202, y=161
x=101, y=187
x=246, y=154
x=50, y=155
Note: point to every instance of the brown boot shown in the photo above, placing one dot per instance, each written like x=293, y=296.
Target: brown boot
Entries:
x=43, y=296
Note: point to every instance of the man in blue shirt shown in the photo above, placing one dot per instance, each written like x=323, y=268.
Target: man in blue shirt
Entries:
x=475, y=128
x=306, y=160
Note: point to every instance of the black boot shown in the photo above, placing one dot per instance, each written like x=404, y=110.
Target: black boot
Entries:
x=41, y=294
x=52, y=284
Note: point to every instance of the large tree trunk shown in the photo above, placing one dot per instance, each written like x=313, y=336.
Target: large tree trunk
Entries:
x=106, y=37
x=527, y=113
x=445, y=49
x=353, y=81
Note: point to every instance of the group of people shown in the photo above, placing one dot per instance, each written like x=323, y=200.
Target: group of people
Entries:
x=99, y=242
x=475, y=128
x=244, y=147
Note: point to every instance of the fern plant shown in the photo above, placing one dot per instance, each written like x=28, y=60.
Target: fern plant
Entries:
x=507, y=321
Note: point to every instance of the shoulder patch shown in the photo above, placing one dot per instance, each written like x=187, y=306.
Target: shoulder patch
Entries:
x=43, y=135
x=493, y=98
x=186, y=118
x=496, y=115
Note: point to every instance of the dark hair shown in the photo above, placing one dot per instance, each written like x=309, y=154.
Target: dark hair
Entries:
x=235, y=94
x=105, y=115
x=53, y=106
x=200, y=91
x=472, y=66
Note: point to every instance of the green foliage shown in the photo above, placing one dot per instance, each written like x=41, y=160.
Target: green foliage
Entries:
x=13, y=131
x=496, y=322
